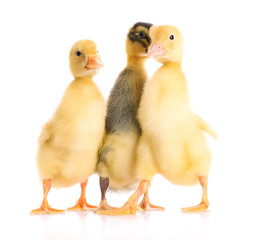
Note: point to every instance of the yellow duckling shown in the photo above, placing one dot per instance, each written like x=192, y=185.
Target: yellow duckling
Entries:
x=117, y=161
x=172, y=142
x=69, y=142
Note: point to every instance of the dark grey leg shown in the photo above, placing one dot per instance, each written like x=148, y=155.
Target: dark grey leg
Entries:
x=104, y=184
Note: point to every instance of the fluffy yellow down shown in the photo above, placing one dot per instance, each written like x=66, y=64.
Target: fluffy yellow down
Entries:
x=122, y=174
x=173, y=142
x=69, y=142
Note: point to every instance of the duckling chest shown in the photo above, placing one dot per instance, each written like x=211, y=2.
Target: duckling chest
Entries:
x=165, y=100
x=90, y=111
x=84, y=117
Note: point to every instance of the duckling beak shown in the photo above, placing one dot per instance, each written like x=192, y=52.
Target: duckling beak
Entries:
x=157, y=50
x=93, y=63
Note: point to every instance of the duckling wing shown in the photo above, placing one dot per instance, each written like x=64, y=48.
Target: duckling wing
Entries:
x=46, y=133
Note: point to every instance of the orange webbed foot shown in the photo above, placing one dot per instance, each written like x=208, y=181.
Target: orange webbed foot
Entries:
x=46, y=209
x=130, y=207
x=127, y=209
x=204, y=205
x=150, y=207
x=103, y=206
x=82, y=205
x=146, y=205
x=200, y=207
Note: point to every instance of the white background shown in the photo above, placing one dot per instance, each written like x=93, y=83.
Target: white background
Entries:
x=230, y=62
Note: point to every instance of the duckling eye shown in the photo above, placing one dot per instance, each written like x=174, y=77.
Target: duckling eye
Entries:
x=171, y=37
x=97, y=51
x=141, y=34
x=78, y=53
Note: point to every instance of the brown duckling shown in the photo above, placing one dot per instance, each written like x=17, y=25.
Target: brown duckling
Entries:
x=117, y=157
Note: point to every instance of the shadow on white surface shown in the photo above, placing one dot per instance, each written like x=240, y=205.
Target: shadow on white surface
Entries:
x=149, y=225
x=221, y=222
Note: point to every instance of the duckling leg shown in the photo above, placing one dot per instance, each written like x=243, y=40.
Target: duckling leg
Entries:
x=131, y=206
x=82, y=204
x=104, y=184
x=146, y=205
x=204, y=202
x=45, y=208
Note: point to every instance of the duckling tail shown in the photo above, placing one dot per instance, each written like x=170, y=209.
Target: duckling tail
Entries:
x=207, y=128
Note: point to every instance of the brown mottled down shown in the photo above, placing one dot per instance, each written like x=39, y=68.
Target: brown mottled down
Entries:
x=117, y=155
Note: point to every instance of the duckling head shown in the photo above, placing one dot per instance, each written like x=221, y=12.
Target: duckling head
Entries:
x=138, y=40
x=84, y=59
x=167, y=44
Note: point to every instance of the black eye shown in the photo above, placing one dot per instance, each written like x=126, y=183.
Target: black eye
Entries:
x=171, y=37
x=78, y=53
x=141, y=34
x=97, y=52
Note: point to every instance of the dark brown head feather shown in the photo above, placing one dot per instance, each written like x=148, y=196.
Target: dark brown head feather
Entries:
x=143, y=24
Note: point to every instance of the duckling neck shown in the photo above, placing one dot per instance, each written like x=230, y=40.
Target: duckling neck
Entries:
x=135, y=62
x=83, y=79
x=173, y=64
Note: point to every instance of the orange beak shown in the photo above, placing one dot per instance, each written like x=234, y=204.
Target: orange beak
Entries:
x=93, y=63
x=157, y=50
